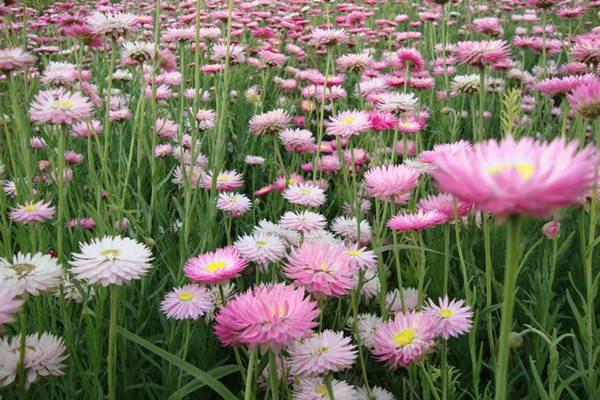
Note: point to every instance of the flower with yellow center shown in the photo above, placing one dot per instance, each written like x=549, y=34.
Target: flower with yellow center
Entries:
x=524, y=169
x=110, y=253
x=215, y=266
x=31, y=207
x=445, y=313
x=354, y=252
x=404, y=337
x=348, y=120
x=185, y=296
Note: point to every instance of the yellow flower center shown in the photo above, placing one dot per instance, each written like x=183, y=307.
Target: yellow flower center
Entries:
x=185, y=296
x=404, y=337
x=445, y=313
x=277, y=310
x=524, y=169
x=63, y=104
x=322, y=390
x=320, y=350
x=347, y=120
x=215, y=266
x=23, y=269
x=305, y=192
x=31, y=207
x=260, y=243
x=324, y=267
x=223, y=178
x=353, y=252
x=110, y=253
x=291, y=181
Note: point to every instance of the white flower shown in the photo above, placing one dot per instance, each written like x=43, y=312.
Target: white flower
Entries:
x=260, y=248
x=35, y=274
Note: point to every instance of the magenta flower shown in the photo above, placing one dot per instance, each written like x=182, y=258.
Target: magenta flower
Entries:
x=420, y=220
x=348, y=123
x=585, y=99
x=480, y=54
x=215, y=267
x=390, y=181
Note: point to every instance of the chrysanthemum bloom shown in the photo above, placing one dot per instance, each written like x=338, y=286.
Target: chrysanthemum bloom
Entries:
x=404, y=339
x=327, y=37
x=304, y=194
x=445, y=204
x=10, y=302
x=428, y=156
x=234, y=204
x=466, y=84
x=488, y=26
x=420, y=220
x=390, y=181
x=58, y=106
x=215, y=267
x=115, y=25
x=187, y=302
x=377, y=393
x=297, y=140
x=396, y=103
x=254, y=160
x=289, y=237
x=270, y=123
x=410, y=59
x=206, y=119
x=316, y=389
x=550, y=229
x=406, y=299
x=482, y=53
x=348, y=123
x=269, y=316
x=44, y=356
x=111, y=260
x=31, y=212
x=562, y=86
x=137, y=52
x=236, y=52
x=261, y=248
x=321, y=354
x=361, y=257
x=585, y=99
x=348, y=228
x=305, y=221
x=15, y=59
x=86, y=129
x=324, y=269
x=354, y=62
x=32, y=273
x=517, y=177
x=453, y=317
x=225, y=181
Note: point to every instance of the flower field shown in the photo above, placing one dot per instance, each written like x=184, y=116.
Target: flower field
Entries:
x=299, y=200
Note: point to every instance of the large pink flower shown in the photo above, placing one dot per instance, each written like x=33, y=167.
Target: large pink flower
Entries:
x=269, y=316
x=517, y=177
x=215, y=267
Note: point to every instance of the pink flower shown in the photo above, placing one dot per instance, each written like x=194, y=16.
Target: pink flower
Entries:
x=428, y=156
x=453, y=318
x=225, y=181
x=348, y=123
x=321, y=354
x=32, y=212
x=305, y=221
x=269, y=316
x=324, y=269
x=517, y=177
x=550, y=229
x=215, y=267
x=187, y=302
x=415, y=222
x=234, y=204
x=59, y=107
x=10, y=303
x=270, y=123
x=261, y=248
x=86, y=129
x=304, y=194
x=15, y=59
x=411, y=59
x=405, y=339
x=586, y=49
x=585, y=99
x=445, y=204
x=390, y=181
x=479, y=54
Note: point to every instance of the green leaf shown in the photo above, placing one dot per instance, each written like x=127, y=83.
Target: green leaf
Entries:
x=197, y=373
x=196, y=384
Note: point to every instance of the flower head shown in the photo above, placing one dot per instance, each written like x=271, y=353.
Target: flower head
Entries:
x=453, y=317
x=215, y=267
x=58, y=106
x=321, y=354
x=34, y=274
x=31, y=212
x=187, y=302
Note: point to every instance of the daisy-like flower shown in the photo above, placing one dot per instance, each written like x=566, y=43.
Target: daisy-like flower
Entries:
x=304, y=221
x=362, y=258
x=254, y=160
x=34, y=274
x=348, y=123
x=465, y=84
x=236, y=52
x=137, y=51
x=354, y=62
x=215, y=267
x=297, y=140
x=316, y=389
x=409, y=58
x=270, y=123
x=327, y=37
x=585, y=99
x=323, y=268
x=428, y=156
x=58, y=106
x=225, y=181
x=206, y=119
x=367, y=325
x=453, y=317
x=388, y=182
x=261, y=248
x=404, y=339
x=111, y=260
x=86, y=129
x=349, y=228
x=117, y=24
x=304, y=194
x=420, y=220
x=234, y=204
x=377, y=393
x=445, y=204
x=269, y=316
x=396, y=103
x=289, y=237
x=59, y=73
x=321, y=354
x=44, y=356
x=10, y=301
x=31, y=212
x=14, y=59
x=187, y=302
x=518, y=177
x=586, y=49
x=482, y=53
x=407, y=299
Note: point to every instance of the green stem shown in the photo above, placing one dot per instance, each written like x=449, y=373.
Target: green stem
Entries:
x=250, y=379
x=274, y=380
x=112, y=342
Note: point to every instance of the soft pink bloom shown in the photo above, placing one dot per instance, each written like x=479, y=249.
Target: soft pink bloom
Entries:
x=405, y=339
x=321, y=354
x=58, y=106
x=31, y=212
x=411, y=59
x=428, y=156
x=324, y=269
x=234, y=204
x=304, y=194
x=305, y=221
x=551, y=229
x=453, y=318
x=585, y=99
x=269, y=316
x=445, y=204
x=517, y=177
x=270, y=123
x=15, y=59
x=187, y=302
x=225, y=181
x=261, y=248
x=417, y=221
x=482, y=53
x=86, y=129
x=215, y=267
x=10, y=302
x=390, y=181
x=348, y=123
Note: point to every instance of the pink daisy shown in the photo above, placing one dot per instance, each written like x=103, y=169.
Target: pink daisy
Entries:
x=58, y=106
x=304, y=221
x=261, y=248
x=215, y=267
x=411, y=59
x=405, y=339
x=445, y=204
x=453, y=317
x=10, y=302
x=304, y=194
x=324, y=269
x=390, y=181
x=225, y=181
x=321, y=354
x=15, y=59
x=416, y=221
x=86, y=129
x=234, y=204
x=270, y=123
x=348, y=123
x=482, y=53
x=585, y=99
x=269, y=316
x=32, y=212
x=187, y=302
